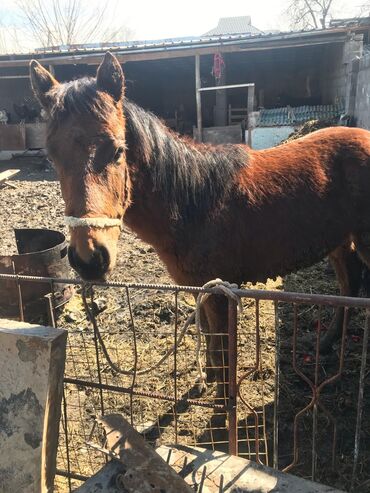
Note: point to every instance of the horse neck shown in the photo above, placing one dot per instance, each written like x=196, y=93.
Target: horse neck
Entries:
x=147, y=214
x=176, y=183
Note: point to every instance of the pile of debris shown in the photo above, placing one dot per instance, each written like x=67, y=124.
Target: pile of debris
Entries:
x=309, y=127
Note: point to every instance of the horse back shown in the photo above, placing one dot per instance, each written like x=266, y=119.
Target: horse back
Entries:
x=336, y=157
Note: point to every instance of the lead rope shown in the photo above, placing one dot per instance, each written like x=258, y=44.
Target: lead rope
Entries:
x=220, y=287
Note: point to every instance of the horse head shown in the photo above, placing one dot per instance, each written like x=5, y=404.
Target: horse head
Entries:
x=86, y=143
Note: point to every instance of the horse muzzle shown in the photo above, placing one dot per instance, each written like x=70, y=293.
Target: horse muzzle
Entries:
x=93, y=246
x=96, y=268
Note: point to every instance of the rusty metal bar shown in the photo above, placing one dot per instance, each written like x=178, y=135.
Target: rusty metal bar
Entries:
x=232, y=376
x=175, y=365
x=202, y=479
x=65, y=423
x=92, y=320
x=258, y=294
x=71, y=475
x=277, y=390
x=314, y=410
x=19, y=290
x=127, y=390
x=360, y=399
x=134, y=371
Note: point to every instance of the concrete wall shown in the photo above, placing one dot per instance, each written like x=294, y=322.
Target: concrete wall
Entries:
x=31, y=386
x=266, y=137
x=222, y=135
x=334, y=74
x=337, y=71
x=362, y=96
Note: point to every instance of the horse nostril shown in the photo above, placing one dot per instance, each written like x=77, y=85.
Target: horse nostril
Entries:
x=95, y=268
x=103, y=257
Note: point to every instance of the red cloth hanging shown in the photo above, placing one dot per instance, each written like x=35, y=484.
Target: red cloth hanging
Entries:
x=218, y=66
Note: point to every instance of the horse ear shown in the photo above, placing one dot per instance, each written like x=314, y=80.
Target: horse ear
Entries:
x=42, y=82
x=110, y=78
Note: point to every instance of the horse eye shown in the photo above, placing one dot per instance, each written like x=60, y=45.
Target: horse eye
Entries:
x=118, y=153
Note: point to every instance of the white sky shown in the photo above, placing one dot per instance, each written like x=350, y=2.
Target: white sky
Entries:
x=152, y=19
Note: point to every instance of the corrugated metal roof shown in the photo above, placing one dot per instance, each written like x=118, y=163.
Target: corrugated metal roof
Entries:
x=233, y=25
x=300, y=114
x=187, y=42
x=81, y=52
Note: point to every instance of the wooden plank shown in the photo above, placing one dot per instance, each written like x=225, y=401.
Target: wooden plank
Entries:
x=198, y=97
x=143, y=470
x=9, y=173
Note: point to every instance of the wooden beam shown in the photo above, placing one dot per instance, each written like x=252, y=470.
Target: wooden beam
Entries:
x=14, y=76
x=231, y=86
x=198, y=98
x=250, y=108
x=9, y=173
x=141, y=469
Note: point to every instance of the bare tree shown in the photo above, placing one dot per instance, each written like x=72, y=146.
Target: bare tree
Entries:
x=364, y=9
x=309, y=14
x=66, y=22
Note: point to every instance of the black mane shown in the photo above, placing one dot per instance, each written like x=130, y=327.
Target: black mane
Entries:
x=187, y=175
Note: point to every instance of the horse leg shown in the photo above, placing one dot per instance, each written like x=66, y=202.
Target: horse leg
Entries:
x=362, y=243
x=348, y=270
x=210, y=371
x=216, y=311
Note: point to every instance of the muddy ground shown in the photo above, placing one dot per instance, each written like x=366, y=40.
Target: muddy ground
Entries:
x=33, y=200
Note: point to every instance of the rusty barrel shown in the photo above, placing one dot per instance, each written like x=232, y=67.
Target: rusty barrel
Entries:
x=41, y=252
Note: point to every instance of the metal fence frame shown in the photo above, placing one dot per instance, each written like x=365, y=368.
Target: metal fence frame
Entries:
x=235, y=381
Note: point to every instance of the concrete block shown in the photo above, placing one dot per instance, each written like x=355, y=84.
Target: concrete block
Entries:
x=32, y=361
x=231, y=134
x=240, y=475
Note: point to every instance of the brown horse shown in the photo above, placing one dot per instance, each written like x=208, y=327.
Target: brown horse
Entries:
x=209, y=211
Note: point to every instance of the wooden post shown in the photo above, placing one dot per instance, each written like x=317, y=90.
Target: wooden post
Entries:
x=250, y=105
x=198, y=98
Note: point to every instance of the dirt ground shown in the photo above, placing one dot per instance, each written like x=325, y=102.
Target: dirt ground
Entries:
x=34, y=200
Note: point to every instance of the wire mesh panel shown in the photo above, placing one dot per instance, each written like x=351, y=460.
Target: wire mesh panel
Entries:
x=283, y=402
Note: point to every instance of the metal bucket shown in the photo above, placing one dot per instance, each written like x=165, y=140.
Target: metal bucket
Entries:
x=41, y=252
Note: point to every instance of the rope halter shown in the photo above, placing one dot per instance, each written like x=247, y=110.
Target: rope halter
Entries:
x=92, y=222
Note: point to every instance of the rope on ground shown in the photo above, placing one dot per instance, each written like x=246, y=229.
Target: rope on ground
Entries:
x=218, y=287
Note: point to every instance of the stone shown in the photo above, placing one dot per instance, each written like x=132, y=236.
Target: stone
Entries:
x=32, y=359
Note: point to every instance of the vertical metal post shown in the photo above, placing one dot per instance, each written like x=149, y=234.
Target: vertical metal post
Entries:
x=360, y=399
x=277, y=389
x=232, y=374
x=250, y=105
x=20, y=298
x=198, y=98
x=175, y=364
